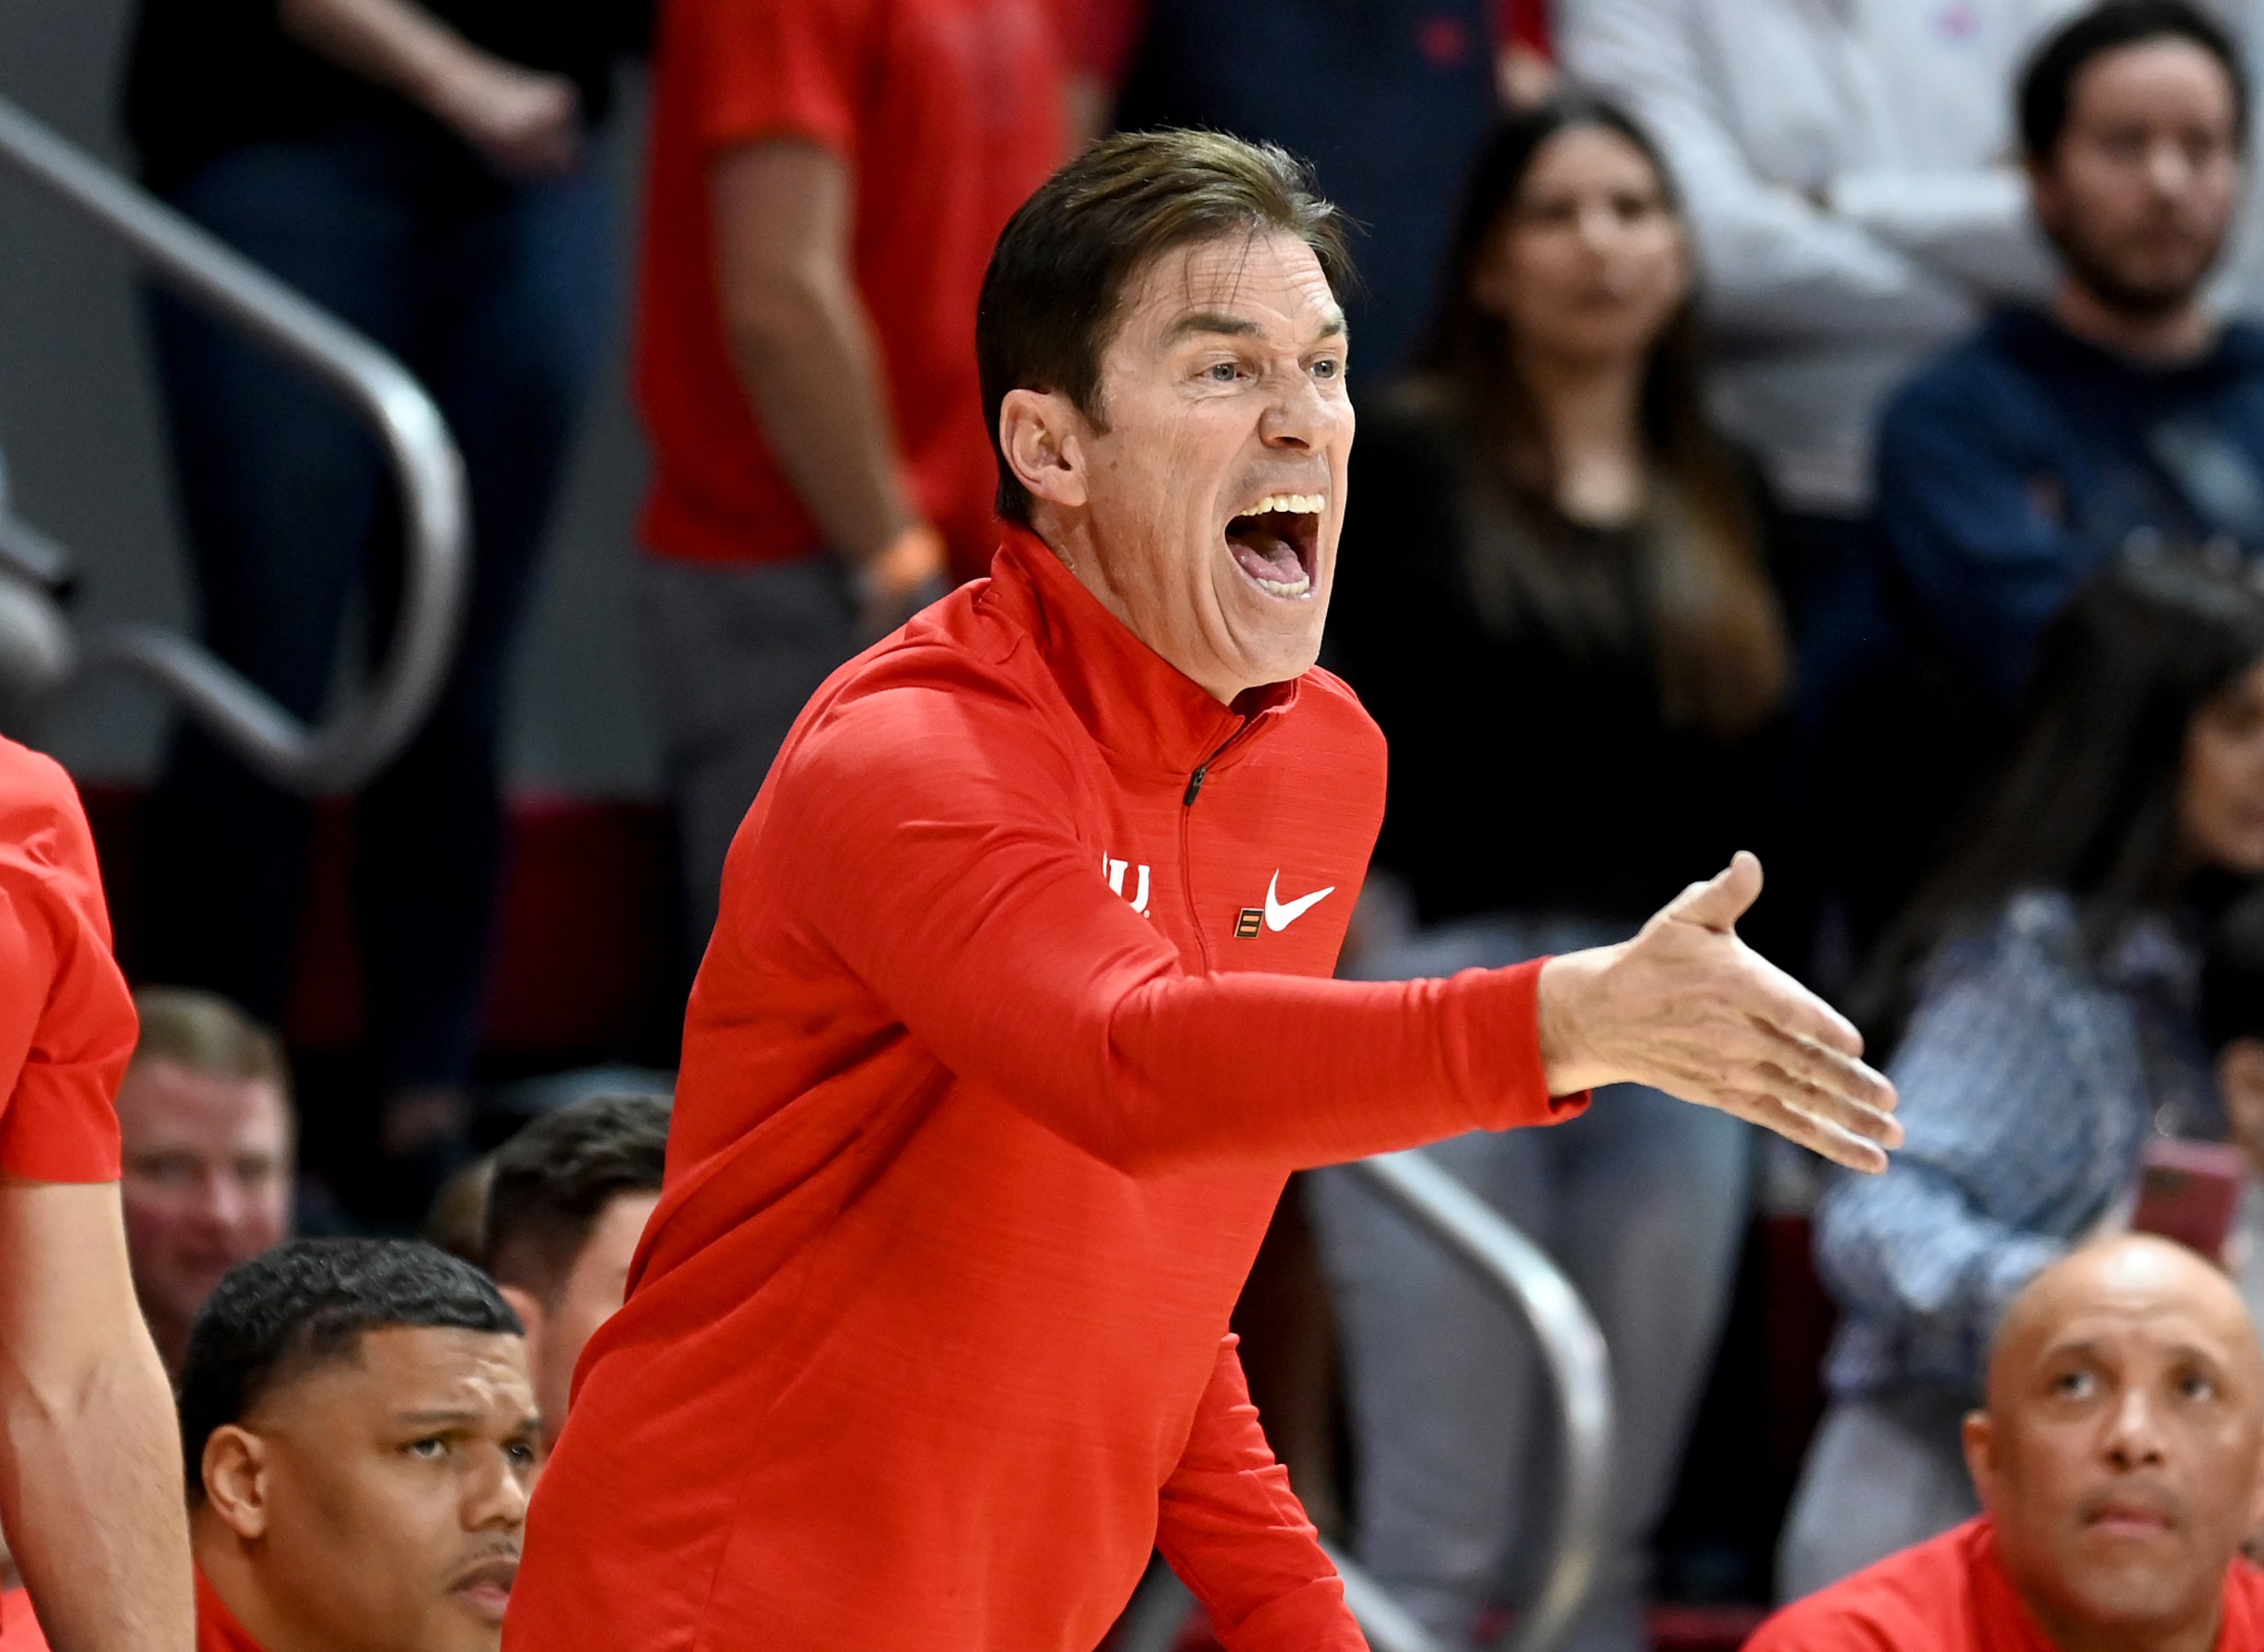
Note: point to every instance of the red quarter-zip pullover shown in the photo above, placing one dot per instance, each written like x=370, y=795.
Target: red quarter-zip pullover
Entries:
x=1015, y=1021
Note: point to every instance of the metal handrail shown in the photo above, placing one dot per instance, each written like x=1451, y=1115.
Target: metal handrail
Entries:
x=369, y=732
x=1517, y=1271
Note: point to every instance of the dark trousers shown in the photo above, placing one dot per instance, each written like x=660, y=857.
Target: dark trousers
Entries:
x=497, y=296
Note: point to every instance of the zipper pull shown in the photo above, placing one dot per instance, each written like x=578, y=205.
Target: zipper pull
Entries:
x=1194, y=787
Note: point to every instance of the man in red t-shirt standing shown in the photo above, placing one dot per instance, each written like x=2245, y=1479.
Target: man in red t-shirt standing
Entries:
x=90, y=1463
x=827, y=178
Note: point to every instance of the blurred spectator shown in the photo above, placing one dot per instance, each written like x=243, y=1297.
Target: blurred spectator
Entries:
x=2232, y=1020
x=361, y=1438
x=425, y=172
x=2029, y=454
x=1855, y=205
x=1543, y=518
x=1388, y=98
x=2116, y=1458
x=565, y=1207
x=827, y=178
x=205, y=1110
x=2050, y=972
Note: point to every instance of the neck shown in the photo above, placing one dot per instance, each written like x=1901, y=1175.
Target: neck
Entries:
x=233, y=1568
x=2177, y=334
x=1077, y=546
x=1591, y=409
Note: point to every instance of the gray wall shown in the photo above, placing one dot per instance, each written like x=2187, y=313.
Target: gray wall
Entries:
x=78, y=426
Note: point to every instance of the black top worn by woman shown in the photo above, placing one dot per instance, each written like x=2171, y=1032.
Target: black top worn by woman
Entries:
x=209, y=75
x=1533, y=768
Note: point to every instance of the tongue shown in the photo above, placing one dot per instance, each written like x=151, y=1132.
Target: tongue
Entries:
x=1266, y=555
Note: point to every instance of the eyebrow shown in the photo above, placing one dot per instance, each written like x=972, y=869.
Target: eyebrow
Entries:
x=439, y=1418
x=1214, y=321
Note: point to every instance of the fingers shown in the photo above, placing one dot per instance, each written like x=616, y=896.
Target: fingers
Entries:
x=1816, y=1066
x=1724, y=898
x=1860, y=1102
x=1786, y=1007
x=1774, y=1113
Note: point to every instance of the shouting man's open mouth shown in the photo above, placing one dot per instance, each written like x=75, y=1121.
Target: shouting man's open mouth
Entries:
x=1277, y=543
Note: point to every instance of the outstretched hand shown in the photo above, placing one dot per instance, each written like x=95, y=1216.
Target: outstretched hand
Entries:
x=1688, y=1008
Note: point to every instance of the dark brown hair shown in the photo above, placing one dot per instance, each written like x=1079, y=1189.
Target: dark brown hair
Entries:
x=1064, y=261
x=2087, y=803
x=2048, y=85
x=1723, y=657
x=556, y=1177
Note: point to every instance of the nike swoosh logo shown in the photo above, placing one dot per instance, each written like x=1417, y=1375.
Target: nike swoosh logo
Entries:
x=1280, y=914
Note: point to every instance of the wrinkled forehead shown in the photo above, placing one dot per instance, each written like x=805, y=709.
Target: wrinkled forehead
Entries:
x=383, y=1370
x=1267, y=282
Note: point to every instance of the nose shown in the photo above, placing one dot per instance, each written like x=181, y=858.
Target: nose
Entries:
x=496, y=1498
x=2168, y=168
x=2134, y=1432
x=1296, y=418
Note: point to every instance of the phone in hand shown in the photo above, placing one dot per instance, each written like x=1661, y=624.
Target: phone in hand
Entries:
x=2190, y=1192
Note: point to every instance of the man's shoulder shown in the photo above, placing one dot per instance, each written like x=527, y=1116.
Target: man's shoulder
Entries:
x=41, y=820
x=1330, y=710
x=1970, y=380
x=955, y=681
x=1917, y=1600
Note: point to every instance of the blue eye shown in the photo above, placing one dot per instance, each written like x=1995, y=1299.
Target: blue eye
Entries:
x=1221, y=372
x=1328, y=367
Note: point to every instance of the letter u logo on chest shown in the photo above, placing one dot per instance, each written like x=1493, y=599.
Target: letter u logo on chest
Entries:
x=1114, y=870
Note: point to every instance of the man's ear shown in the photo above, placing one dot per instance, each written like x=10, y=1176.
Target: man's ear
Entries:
x=1980, y=1454
x=1042, y=433
x=235, y=1469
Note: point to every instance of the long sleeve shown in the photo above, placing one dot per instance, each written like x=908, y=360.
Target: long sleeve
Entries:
x=925, y=838
x=1777, y=264
x=67, y=1024
x=1973, y=228
x=2011, y=1076
x=1236, y=1533
x=1971, y=521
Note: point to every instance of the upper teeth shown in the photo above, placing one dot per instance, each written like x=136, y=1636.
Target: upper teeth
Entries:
x=1294, y=504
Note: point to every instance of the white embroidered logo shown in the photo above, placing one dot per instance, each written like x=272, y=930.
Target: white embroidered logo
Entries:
x=1280, y=914
x=1114, y=872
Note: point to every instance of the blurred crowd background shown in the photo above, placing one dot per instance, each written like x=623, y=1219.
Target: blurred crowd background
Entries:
x=1831, y=428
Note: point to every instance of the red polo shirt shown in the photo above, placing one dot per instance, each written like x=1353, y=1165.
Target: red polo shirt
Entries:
x=67, y=1023
x=1951, y=1595
x=216, y=1628
x=947, y=113
x=1016, y=1019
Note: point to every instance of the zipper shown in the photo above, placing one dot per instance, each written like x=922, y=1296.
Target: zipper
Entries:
x=1186, y=814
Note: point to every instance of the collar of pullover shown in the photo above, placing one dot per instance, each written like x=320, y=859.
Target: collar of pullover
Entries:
x=1136, y=704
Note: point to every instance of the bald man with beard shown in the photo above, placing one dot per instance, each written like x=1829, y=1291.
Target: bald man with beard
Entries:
x=2119, y=1460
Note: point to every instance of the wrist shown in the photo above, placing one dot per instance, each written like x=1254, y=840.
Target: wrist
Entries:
x=914, y=558
x=1561, y=1003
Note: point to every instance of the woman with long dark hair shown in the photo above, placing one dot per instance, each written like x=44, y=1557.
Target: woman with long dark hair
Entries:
x=1552, y=594
x=2044, y=989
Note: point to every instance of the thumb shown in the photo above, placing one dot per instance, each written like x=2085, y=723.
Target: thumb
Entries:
x=1722, y=899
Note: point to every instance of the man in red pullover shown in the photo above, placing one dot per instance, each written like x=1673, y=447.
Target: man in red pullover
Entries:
x=1018, y=1015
